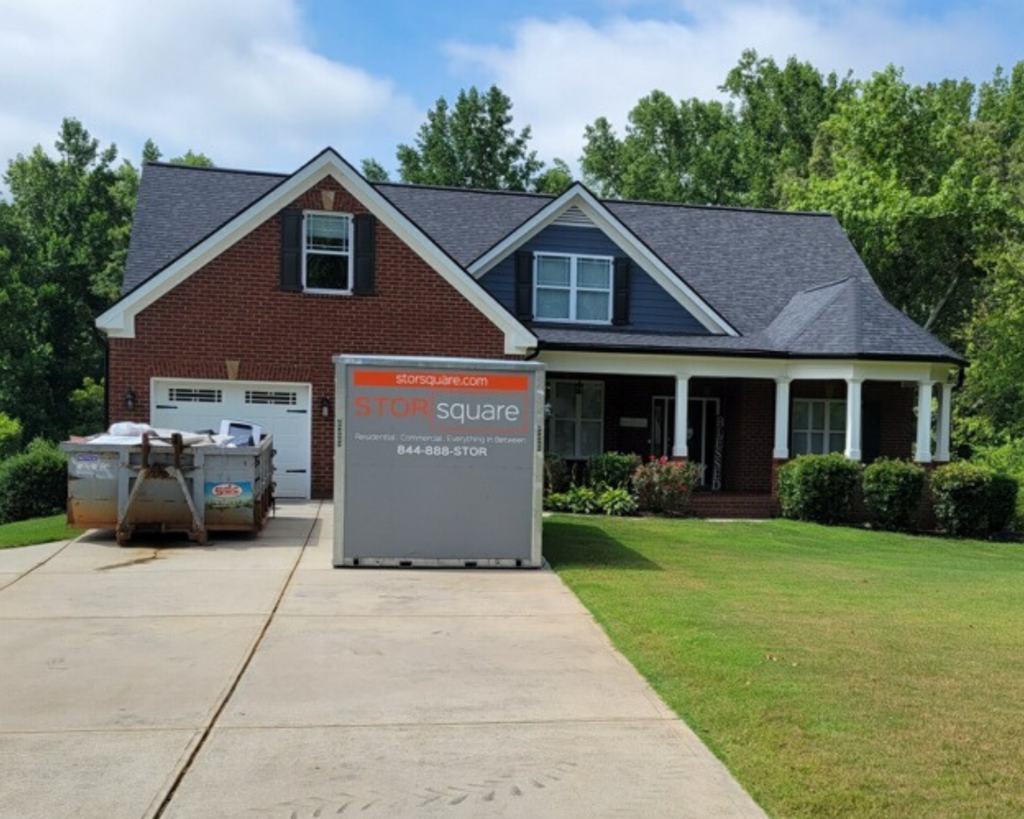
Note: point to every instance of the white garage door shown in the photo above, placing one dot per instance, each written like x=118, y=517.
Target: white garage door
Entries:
x=283, y=410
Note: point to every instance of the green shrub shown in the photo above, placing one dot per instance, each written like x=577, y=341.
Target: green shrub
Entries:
x=556, y=502
x=34, y=483
x=612, y=470
x=579, y=499
x=617, y=502
x=818, y=488
x=557, y=474
x=892, y=493
x=10, y=436
x=1008, y=458
x=961, y=493
x=1002, y=502
x=665, y=486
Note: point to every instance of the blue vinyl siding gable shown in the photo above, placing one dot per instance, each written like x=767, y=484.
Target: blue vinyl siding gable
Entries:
x=650, y=307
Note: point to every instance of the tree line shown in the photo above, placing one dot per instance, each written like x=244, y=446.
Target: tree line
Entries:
x=927, y=180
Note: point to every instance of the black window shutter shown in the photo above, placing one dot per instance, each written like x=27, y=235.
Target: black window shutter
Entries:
x=524, y=285
x=620, y=304
x=291, y=249
x=364, y=260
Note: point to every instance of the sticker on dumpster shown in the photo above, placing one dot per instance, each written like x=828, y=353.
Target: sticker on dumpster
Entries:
x=228, y=495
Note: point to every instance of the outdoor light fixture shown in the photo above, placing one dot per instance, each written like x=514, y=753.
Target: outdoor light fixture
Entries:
x=129, y=400
x=325, y=407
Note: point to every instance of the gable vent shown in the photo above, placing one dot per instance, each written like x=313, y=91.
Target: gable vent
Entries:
x=284, y=399
x=194, y=396
x=574, y=217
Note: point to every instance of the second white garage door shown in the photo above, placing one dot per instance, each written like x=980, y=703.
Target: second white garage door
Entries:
x=283, y=410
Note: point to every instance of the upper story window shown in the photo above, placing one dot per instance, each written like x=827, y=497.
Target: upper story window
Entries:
x=819, y=427
x=327, y=253
x=572, y=288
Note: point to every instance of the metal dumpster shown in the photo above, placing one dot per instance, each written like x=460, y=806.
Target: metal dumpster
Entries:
x=162, y=483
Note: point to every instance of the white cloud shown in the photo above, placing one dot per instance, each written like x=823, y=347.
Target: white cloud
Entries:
x=563, y=74
x=236, y=81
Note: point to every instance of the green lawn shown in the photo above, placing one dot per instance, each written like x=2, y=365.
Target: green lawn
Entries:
x=837, y=672
x=40, y=530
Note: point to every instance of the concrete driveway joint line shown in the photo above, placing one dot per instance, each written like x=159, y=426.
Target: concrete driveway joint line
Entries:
x=250, y=678
x=57, y=546
x=205, y=733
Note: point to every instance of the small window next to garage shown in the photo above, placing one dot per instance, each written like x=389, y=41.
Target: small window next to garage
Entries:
x=195, y=395
x=326, y=253
x=278, y=398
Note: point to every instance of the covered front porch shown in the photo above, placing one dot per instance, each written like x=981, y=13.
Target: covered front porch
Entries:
x=743, y=418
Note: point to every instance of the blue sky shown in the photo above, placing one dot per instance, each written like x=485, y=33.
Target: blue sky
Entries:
x=265, y=84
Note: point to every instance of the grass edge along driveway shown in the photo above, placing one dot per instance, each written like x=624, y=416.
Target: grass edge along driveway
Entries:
x=38, y=530
x=837, y=672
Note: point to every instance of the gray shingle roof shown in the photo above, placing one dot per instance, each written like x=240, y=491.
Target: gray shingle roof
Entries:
x=466, y=224
x=790, y=283
x=179, y=206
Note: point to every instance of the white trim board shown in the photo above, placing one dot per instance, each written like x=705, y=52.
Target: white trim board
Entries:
x=738, y=367
x=118, y=321
x=579, y=197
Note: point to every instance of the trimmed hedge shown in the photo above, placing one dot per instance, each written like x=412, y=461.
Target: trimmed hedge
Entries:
x=818, y=488
x=892, y=493
x=961, y=492
x=1002, y=503
x=33, y=484
x=612, y=470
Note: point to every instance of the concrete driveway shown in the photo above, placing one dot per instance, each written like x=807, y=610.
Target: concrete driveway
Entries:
x=248, y=678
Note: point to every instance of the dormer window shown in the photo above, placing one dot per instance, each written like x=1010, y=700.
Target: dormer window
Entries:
x=327, y=253
x=571, y=287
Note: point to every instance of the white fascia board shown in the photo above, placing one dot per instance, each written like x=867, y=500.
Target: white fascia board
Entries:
x=119, y=320
x=603, y=219
x=732, y=366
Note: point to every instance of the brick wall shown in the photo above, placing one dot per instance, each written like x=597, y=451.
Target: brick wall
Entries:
x=233, y=310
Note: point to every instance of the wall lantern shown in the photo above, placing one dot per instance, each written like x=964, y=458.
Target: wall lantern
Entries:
x=325, y=407
x=129, y=400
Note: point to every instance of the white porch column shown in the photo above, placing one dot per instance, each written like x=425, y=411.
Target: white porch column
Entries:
x=923, y=453
x=781, y=450
x=853, y=418
x=680, y=447
x=945, y=416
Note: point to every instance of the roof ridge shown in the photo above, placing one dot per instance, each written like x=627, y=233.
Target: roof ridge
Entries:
x=732, y=208
x=214, y=168
x=454, y=189
x=811, y=319
x=827, y=284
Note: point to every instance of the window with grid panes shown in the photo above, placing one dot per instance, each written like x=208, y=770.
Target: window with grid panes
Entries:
x=819, y=426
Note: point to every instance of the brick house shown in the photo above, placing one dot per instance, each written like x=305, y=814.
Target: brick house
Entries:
x=761, y=334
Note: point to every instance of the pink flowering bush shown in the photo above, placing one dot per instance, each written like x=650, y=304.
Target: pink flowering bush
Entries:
x=665, y=486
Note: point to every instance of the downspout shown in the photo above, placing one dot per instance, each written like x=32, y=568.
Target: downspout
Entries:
x=106, y=381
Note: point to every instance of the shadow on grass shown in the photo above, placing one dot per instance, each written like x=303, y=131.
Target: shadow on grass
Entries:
x=581, y=543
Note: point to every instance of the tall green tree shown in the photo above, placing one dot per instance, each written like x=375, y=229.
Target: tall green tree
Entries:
x=779, y=112
x=916, y=183
x=470, y=145
x=742, y=152
x=676, y=153
x=64, y=236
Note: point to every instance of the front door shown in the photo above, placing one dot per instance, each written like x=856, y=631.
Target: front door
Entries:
x=702, y=422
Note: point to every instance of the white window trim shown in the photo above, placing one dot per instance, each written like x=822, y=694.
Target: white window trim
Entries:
x=577, y=418
x=827, y=431
x=573, y=288
x=351, y=252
